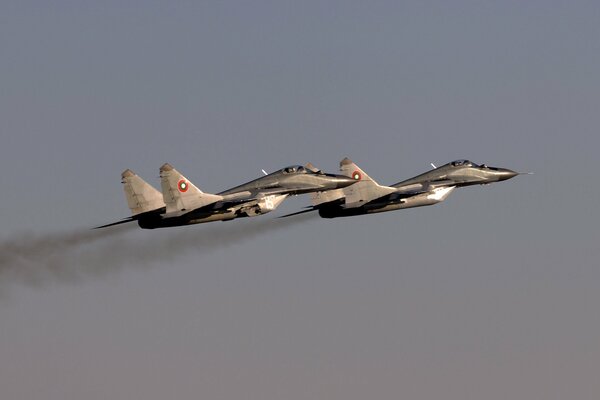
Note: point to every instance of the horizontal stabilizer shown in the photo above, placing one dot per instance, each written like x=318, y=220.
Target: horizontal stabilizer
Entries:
x=298, y=213
x=123, y=221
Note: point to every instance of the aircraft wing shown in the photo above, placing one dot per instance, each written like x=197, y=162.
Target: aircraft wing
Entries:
x=405, y=192
x=123, y=221
x=326, y=204
x=254, y=205
x=422, y=187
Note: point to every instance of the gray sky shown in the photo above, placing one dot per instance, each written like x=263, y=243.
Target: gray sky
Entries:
x=492, y=294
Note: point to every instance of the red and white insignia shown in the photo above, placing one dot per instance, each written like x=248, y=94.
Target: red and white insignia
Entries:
x=182, y=185
x=356, y=176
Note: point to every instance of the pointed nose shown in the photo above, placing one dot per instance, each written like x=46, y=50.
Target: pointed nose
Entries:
x=504, y=174
x=342, y=181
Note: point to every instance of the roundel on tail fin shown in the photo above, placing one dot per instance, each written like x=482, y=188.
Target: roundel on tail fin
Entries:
x=356, y=175
x=182, y=185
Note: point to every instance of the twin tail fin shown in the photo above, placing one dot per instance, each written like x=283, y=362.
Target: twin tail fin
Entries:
x=363, y=191
x=141, y=196
x=179, y=194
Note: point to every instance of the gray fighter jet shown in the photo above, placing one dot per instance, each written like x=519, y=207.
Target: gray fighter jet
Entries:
x=432, y=187
x=182, y=203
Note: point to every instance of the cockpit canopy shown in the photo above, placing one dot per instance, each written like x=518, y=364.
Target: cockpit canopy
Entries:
x=463, y=163
x=293, y=169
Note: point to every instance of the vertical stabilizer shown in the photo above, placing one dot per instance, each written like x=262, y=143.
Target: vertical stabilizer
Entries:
x=309, y=166
x=363, y=191
x=141, y=196
x=348, y=168
x=180, y=194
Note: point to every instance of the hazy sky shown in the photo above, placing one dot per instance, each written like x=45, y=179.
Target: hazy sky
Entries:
x=493, y=294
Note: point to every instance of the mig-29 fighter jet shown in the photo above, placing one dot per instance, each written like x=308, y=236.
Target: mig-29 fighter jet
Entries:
x=432, y=187
x=182, y=203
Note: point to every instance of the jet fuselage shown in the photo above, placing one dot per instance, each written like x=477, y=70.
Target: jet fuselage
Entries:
x=249, y=199
x=293, y=180
x=461, y=173
x=426, y=189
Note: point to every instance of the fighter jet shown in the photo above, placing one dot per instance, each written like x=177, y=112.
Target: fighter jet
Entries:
x=182, y=203
x=432, y=187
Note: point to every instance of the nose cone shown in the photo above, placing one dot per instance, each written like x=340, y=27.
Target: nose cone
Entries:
x=504, y=174
x=342, y=181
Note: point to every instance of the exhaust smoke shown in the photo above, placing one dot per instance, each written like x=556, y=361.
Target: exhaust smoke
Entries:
x=37, y=260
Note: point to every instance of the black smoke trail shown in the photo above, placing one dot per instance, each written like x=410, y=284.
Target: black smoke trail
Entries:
x=37, y=260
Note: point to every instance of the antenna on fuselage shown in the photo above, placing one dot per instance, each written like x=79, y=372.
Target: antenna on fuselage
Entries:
x=264, y=172
x=433, y=165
